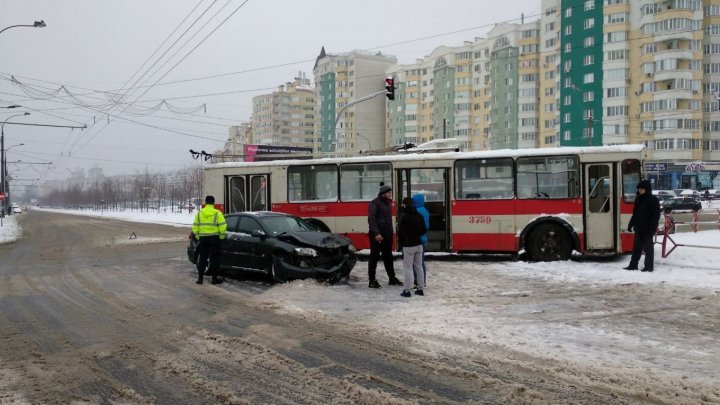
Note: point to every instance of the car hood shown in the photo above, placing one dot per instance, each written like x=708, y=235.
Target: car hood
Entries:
x=316, y=239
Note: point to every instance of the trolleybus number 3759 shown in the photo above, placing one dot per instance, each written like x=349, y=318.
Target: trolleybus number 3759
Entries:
x=481, y=219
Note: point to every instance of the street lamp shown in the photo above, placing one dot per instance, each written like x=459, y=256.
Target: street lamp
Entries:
x=357, y=135
x=3, y=156
x=36, y=24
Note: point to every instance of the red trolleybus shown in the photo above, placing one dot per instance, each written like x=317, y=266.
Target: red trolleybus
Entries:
x=546, y=202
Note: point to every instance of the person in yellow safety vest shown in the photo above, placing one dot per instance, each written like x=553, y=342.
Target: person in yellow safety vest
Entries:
x=209, y=228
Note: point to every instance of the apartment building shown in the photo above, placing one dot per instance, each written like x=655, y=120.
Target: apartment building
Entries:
x=484, y=92
x=286, y=116
x=341, y=125
x=647, y=72
x=238, y=136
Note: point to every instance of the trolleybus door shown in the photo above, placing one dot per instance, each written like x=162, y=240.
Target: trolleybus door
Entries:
x=247, y=193
x=599, y=207
x=434, y=184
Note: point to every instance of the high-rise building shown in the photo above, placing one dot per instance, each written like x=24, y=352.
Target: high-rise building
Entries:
x=483, y=93
x=286, y=116
x=238, y=136
x=341, y=125
x=643, y=72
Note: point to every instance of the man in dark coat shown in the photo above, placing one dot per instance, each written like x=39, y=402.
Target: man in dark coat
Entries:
x=381, y=236
x=644, y=221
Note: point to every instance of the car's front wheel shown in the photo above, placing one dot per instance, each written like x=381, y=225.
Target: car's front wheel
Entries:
x=271, y=271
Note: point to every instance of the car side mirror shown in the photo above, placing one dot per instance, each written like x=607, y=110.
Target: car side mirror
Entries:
x=258, y=233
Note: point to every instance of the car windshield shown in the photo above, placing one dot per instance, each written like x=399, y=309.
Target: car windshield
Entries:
x=281, y=224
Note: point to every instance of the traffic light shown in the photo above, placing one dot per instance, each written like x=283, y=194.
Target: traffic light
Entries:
x=390, y=88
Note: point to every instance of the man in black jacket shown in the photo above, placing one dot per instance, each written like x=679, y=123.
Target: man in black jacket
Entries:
x=381, y=236
x=644, y=221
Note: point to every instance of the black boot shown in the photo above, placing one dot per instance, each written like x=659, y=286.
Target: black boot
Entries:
x=216, y=280
x=199, y=281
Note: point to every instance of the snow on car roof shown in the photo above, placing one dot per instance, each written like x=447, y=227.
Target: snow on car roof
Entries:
x=262, y=214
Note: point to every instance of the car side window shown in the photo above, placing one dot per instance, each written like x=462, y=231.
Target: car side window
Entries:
x=247, y=225
x=232, y=222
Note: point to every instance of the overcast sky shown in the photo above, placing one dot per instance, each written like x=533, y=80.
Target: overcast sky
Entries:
x=95, y=48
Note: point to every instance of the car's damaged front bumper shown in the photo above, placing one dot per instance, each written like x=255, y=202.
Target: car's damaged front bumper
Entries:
x=331, y=269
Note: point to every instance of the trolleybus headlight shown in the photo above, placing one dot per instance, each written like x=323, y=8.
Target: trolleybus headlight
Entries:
x=352, y=248
x=306, y=251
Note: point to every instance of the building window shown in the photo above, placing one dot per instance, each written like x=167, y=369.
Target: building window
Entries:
x=589, y=23
x=589, y=78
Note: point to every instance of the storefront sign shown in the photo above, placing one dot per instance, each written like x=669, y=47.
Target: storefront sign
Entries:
x=655, y=167
x=702, y=166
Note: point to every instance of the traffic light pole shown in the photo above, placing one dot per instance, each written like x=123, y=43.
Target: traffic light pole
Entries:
x=342, y=110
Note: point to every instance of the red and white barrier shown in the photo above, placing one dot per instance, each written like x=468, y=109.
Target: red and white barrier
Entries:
x=670, y=225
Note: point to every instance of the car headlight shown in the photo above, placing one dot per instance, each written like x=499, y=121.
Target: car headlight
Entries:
x=352, y=248
x=306, y=251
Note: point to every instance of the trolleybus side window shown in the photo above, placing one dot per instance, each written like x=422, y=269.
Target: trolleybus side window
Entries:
x=312, y=183
x=360, y=182
x=630, y=178
x=484, y=179
x=548, y=177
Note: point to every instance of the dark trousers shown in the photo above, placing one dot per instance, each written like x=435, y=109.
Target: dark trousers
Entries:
x=208, y=250
x=383, y=248
x=643, y=244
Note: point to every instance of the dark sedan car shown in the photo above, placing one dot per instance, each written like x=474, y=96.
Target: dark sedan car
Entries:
x=283, y=247
x=681, y=203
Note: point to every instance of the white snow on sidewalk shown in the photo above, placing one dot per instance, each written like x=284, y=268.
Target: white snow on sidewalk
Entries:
x=9, y=231
x=155, y=217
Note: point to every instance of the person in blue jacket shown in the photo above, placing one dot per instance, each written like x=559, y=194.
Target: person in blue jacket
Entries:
x=419, y=201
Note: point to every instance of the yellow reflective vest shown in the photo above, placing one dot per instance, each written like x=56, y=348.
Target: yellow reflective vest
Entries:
x=209, y=222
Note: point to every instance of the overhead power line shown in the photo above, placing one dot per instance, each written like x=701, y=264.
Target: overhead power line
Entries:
x=172, y=68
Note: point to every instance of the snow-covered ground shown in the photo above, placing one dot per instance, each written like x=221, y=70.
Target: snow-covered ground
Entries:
x=575, y=311
x=9, y=231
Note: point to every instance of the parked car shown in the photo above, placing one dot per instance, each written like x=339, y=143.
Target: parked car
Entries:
x=667, y=193
x=690, y=193
x=663, y=197
x=681, y=203
x=17, y=210
x=283, y=247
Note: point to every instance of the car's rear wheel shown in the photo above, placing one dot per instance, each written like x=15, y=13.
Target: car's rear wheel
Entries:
x=548, y=242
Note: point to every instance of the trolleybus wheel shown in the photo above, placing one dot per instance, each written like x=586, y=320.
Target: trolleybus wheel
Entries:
x=549, y=242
